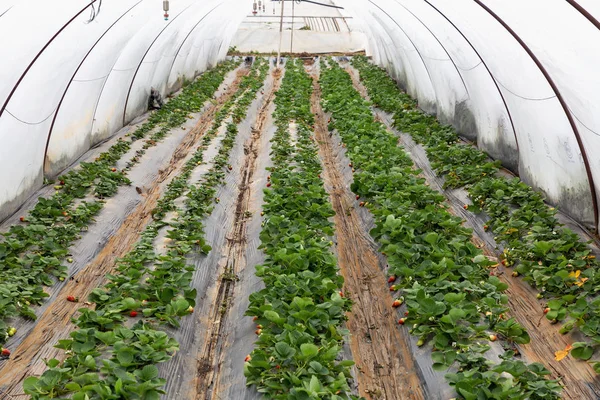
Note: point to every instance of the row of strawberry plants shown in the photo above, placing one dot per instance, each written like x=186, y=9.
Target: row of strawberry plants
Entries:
x=451, y=298
x=549, y=256
x=299, y=314
x=34, y=251
x=110, y=356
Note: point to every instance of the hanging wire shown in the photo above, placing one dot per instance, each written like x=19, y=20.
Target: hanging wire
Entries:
x=523, y=97
x=581, y=122
x=92, y=79
x=93, y=12
x=31, y=123
x=470, y=68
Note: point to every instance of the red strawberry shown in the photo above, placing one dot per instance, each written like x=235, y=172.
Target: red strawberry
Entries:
x=62, y=182
x=255, y=318
x=401, y=321
x=392, y=288
x=22, y=219
x=391, y=279
x=248, y=358
x=230, y=167
x=113, y=169
x=546, y=310
x=485, y=227
x=72, y=299
x=133, y=314
x=357, y=197
x=269, y=184
x=361, y=204
x=258, y=331
x=350, y=164
x=5, y=352
x=269, y=177
x=397, y=303
x=341, y=293
x=465, y=206
x=406, y=313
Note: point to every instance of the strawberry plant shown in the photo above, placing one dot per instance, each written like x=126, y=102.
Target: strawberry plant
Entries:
x=301, y=310
x=106, y=358
x=33, y=251
x=453, y=302
x=549, y=256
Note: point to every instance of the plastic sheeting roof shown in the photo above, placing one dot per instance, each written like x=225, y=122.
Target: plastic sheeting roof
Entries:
x=519, y=77
x=67, y=83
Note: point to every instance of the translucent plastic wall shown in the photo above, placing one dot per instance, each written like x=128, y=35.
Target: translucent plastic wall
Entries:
x=67, y=83
x=519, y=77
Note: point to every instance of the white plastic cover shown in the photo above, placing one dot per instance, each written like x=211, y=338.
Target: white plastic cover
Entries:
x=67, y=83
x=459, y=60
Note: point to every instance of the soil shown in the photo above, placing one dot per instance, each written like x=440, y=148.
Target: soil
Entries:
x=215, y=340
x=384, y=361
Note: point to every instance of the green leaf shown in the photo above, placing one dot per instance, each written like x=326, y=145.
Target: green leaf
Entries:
x=582, y=351
x=149, y=372
x=30, y=385
x=284, y=350
x=315, y=385
x=125, y=356
x=308, y=350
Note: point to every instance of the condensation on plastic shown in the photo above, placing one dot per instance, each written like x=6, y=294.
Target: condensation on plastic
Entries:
x=543, y=147
x=92, y=77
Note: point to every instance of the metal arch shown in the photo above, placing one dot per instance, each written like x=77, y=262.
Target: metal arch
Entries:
x=144, y=56
x=187, y=36
x=512, y=124
x=560, y=98
x=585, y=13
x=14, y=89
x=75, y=73
x=7, y=10
x=439, y=42
x=410, y=40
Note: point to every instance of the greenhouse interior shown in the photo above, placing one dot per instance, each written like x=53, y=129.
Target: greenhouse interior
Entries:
x=299, y=199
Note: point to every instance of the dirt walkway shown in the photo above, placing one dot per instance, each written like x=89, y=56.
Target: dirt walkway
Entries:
x=386, y=368
x=214, y=340
x=54, y=323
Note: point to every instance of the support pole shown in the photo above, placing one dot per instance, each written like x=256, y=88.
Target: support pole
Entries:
x=280, y=35
x=292, y=32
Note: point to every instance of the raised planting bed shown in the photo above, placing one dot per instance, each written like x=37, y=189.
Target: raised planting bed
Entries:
x=549, y=256
x=114, y=350
x=299, y=315
x=442, y=279
x=36, y=252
